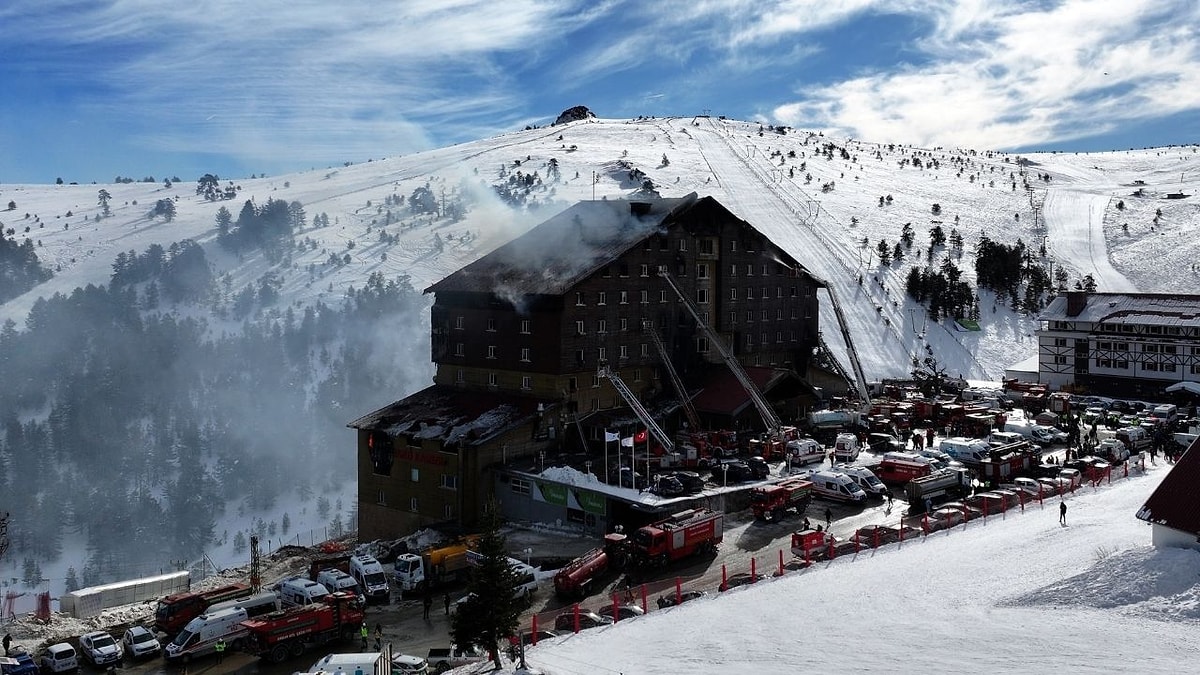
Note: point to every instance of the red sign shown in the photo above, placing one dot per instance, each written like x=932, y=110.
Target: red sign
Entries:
x=421, y=456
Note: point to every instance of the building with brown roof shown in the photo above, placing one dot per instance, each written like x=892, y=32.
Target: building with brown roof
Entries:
x=526, y=327
x=1173, y=508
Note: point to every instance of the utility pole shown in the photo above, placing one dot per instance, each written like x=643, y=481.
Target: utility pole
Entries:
x=255, y=565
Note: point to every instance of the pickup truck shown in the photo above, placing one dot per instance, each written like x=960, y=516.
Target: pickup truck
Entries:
x=441, y=659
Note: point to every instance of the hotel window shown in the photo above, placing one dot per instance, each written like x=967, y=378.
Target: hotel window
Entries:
x=749, y=270
x=602, y=353
x=749, y=316
x=572, y=384
x=702, y=345
x=491, y=351
x=624, y=351
x=525, y=354
x=382, y=500
x=603, y=298
x=447, y=512
x=450, y=481
x=623, y=270
x=491, y=325
x=526, y=382
x=764, y=270
x=779, y=314
x=645, y=270
x=458, y=323
x=579, y=357
x=412, y=505
x=645, y=297
x=460, y=376
x=579, y=299
x=662, y=296
x=458, y=349
x=683, y=245
x=579, y=327
x=779, y=336
x=749, y=340
x=779, y=292
x=702, y=271
x=645, y=349
x=733, y=245
x=606, y=272
x=601, y=326
x=624, y=297
x=733, y=269
x=624, y=324
x=733, y=293
x=525, y=326
x=763, y=315
x=749, y=292
x=519, y=486
x=415, y=475
x=705, y=246
x=492, y=380
x=702, y=296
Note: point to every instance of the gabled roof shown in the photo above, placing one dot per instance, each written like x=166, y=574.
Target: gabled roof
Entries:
x=1165, y=309
x=1176, y=504
x=452, y=416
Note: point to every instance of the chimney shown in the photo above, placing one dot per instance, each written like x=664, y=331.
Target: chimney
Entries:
x=1076, y=301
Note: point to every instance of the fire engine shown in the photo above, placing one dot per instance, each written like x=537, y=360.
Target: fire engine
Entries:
x=175, y=611
x=278, y=635
x=770, y=502
x=678, y=536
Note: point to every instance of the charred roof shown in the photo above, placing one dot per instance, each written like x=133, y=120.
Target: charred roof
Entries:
x=453, y=416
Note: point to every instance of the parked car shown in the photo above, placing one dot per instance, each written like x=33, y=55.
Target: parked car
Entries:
x=669, y=600
x=623, y=611
x=139, y=641
x=542, y=634
x=692, y=482
x=666, y=485
x=1055, y=485
x=1048, y=435
x=59, y=658
x=945, y=518
x=22, y=663
x=99, y=648
x=731, y=471
x=587, y=619
x=1029, y=486
x=881, y=443
x=406, y=664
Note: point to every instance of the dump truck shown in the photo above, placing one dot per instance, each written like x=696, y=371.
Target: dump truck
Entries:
x=175, y=611
x=771, y=502
x=277, y=636
x=678, y=536
x=579, y=576
x=438, y=565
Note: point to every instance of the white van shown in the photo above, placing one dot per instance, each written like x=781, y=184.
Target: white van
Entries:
x=865, y=479
x=60, y=658
x=998, y=438
x=836, y=486
x=336, y=580
x=369, y=574
x=846, y=448
x=368, y=663
x=200, y=635
x=527, y=581
x=297, y=591
x=804, y=451
x=966, y=450
x=1166, y=412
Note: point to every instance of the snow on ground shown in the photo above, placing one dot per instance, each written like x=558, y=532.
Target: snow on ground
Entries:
x=1012, y=595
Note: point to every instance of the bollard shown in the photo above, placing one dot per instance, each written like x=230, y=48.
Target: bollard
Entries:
x=577, y=617
x=724, y=579
x=535, y=630
x=753, y=570
x=678, y=592
x=616, y=606
x=780, y=573
x=644, y=603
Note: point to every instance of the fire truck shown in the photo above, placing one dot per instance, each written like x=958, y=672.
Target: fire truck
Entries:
x=812, y=544
x=680, y=535
x=577, y=578
x=175, y=611
x=288, y=633
x=770, y=502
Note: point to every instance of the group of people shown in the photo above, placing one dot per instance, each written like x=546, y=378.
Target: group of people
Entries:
x=429, y=604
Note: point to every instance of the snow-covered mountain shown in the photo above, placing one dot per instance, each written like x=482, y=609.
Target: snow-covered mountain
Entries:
x=818, y=197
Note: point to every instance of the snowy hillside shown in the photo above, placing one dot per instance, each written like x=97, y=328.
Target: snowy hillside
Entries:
x=759, y=174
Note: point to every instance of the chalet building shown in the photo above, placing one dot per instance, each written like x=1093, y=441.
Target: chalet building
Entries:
x=1130, y=345
x=1172, y=508
x=519, y=338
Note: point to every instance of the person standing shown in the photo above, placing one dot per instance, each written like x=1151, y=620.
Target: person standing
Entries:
x=828, y=517
x=428, y=604
x=446, y=602
x=220, y=649
x=1062, y=512
x=364, y=632
x=7, y=643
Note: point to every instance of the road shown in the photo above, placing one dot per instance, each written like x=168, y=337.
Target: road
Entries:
x=1075, y=233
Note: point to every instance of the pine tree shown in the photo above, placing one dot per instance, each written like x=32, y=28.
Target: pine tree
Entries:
x=72, y=582
x=492, y=609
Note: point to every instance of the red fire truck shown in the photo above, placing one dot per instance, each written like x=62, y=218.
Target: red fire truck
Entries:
x=770, y=502
x=288, y=633
x=678, y=536
x=175, y=611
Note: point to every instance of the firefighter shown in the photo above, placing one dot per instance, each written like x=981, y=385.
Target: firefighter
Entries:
x=364, y=632
x=220, y=649
x=828, y=517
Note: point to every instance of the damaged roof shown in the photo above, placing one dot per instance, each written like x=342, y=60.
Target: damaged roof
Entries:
x=1173, y=504
x=453, y=416
x=554, y=255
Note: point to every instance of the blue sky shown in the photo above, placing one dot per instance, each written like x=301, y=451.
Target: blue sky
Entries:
x=93, y=89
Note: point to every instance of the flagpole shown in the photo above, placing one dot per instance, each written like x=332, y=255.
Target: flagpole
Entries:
x=606, y=454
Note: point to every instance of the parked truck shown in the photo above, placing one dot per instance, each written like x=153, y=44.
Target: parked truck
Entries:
x=437, y=565
x=771, y=502
x=811, y=544
x=936, y=486
x=175, y=611
x=289, y=633
x=579, y=576
x=441, y=659
x=675, y=537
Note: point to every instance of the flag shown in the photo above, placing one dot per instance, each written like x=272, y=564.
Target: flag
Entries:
x=640, y=437
x=627, y=442
x=610, y=436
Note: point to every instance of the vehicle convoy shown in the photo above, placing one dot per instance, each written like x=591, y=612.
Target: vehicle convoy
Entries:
x=371, y=579
x=577, y=578
x=681, y=535
x=438, y=565
x=441, y=659
x=771, y=502
x=291, y=632
x=175, y=611
x=935, y=487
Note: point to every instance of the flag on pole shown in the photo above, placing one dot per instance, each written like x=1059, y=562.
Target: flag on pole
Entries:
x=627, y=442
x=610, y=436
x=641, y=436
